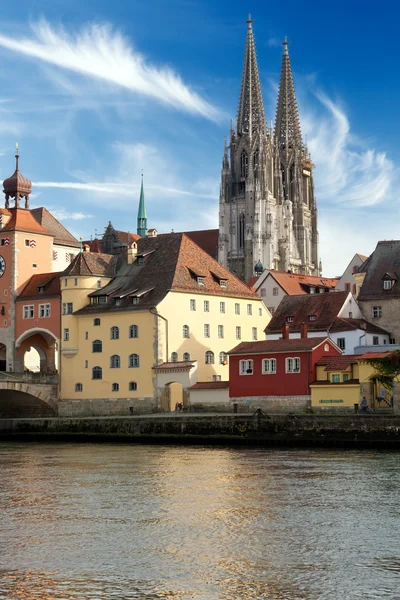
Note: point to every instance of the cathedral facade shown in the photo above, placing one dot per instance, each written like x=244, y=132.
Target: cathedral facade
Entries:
x=268, y=212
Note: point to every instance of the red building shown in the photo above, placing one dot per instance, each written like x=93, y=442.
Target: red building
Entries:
x=277, y=369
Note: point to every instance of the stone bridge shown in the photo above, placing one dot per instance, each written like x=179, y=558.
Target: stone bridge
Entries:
x=28, y=395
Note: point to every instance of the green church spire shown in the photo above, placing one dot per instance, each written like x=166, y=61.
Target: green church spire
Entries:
x=142, y=215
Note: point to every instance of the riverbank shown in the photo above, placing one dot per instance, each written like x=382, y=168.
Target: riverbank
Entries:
x=375, y=431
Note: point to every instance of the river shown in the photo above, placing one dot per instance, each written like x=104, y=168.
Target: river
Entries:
x=103, y=521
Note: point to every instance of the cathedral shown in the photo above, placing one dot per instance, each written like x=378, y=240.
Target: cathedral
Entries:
x=268, y=212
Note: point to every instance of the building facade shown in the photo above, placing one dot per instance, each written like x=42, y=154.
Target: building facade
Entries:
x=347, y=282
x=268, y=211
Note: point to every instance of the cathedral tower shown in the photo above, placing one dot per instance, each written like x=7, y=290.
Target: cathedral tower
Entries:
x=268, y=215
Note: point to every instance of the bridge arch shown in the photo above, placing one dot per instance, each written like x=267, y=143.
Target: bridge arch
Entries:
x=20, y=399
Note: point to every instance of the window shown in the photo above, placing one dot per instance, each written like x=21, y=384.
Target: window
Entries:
x=223, y=283
x=312, y=290
x=238, y=333
x=114, y=333
x=269, y=366
x=350, y=315
x=312, y=317
x=66, y=282
x=86, y=364
x=66, y=335
x=98, y=284
x=223, y=358
x=209, y=358
x=96, y=322
x=97, y=346
x=192, y=304
x=220, y=331
x=246, y=367
x=133, y=331
x=244, y=163
x=263, y=292
x=392, y=341
x=115, y=387
x=102, y=299
x=29, y=311
x=341, y=342
x=376, y=312
x=249, y=309
x=375, y=340
x=354, y=289
x=134, y=361
x=186, y=356
x=132, y=386
x=254, y=333
x=68, y=308
x=75, y=281
x=237, y=308
x=345, y=377
x=41, y=289
x=86, y=335
x=27, y=243
x=336, y=378
x=326, y=348
x=222, y=307
x=44, y=310
x=185, y=331
x=206, y=306
x=174, y=357
x=275, y=291
x=200, y=280
x=347, y=287
x=216, y=377
x=78, y=387
x=115, y=362
x=206, y=330
x=290, y=319
x=387, y=284
x=293, y=365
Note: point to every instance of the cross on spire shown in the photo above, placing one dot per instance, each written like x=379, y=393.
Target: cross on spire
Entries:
x=251, y=117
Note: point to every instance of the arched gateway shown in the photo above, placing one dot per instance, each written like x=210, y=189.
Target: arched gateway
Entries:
x=26, y=400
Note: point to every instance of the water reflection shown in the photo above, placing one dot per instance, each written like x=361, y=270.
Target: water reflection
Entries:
x=99, y=521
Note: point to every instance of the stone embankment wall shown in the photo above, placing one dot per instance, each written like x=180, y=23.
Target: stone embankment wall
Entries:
x=244, y=429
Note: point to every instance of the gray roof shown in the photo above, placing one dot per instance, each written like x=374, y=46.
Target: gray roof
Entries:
x=384, y=259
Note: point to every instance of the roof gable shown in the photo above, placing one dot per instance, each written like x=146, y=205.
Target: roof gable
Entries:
x=282, y=345
x=22, y=220
x=52, y=225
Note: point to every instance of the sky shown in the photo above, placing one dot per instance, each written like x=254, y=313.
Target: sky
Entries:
x=96, y=91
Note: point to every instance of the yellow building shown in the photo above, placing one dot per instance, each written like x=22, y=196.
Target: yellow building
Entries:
x=164, y=311
x=342, y=382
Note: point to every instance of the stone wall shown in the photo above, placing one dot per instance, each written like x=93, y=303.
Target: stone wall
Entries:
x=273, y=404
x=104, y=407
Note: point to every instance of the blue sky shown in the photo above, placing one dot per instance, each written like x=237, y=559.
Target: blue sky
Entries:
x=95, y=91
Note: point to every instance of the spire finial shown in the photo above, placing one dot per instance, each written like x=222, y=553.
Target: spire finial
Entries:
x=249, y=21
x=285, y=45
x=16, y=156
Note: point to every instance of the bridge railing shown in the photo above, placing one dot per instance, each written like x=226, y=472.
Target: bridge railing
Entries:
x=29, y=377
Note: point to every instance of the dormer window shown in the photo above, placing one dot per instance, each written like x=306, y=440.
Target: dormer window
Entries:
x=200, y=280
x=312, y=317
x=117, y=302
x=139, y=260
x=222, y=283
x=387, y=284
x=135, y=300
x=289, y=319
x=41, y=289
x=312, y=290
x=102, y=299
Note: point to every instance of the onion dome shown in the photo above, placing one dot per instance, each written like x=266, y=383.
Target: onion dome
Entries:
x=17, y=186
x=258, y=268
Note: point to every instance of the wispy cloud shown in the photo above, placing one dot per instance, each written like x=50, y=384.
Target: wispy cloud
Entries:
x=100, y=52
x=274, y=42
x=65, y=215
x=348, y=170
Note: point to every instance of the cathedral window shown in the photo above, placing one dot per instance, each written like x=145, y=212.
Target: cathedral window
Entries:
x=244, y=164
x=256, y=159
x=284, y=182
x=241, y=230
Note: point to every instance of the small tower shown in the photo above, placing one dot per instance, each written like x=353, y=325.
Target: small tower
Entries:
x=142, y=215
x=17, y=186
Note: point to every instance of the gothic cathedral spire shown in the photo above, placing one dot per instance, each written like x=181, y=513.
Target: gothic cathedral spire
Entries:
x=142, y=214
x=287, y=124
x=251, y=117
x=268, y=213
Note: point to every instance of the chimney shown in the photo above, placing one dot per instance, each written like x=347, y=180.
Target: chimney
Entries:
x=152, y=233
x=132, y=252
x=285, y=332
x=304, y=331
x=86, y=248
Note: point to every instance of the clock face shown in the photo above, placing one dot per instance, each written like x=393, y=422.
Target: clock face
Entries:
x=2, y=266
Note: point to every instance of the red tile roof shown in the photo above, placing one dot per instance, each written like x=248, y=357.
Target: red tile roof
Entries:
x=325, y=307
x=337, y=363
x=61, y=235
x=126, y=237
x=183, y=364
x=169, y=262
x=23, y=220
x=49, y=281
x=370, y=355
x=274, y=346
x=89, y=263
x=210, y=385
x=344, y=324
x=207, y=239
x=294, y=283
x=252, y=281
